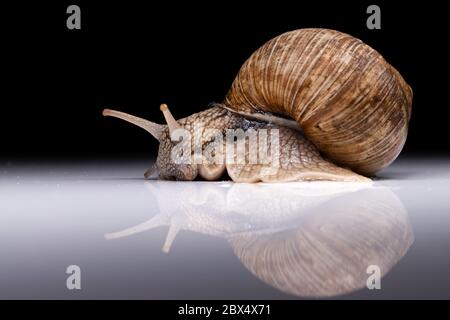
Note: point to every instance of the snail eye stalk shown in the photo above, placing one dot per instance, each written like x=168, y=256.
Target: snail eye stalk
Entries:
x=153, y=128
x=171, y=122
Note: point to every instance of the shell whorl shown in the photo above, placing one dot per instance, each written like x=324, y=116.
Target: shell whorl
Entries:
x=349, y=102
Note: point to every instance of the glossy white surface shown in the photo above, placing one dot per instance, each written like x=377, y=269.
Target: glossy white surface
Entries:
x=225, y=240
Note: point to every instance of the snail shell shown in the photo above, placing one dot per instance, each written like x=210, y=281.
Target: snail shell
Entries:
x=349, y=102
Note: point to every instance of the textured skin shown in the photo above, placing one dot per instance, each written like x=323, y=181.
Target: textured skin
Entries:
x=299, y=160
x=218, y=118
x=347, y=99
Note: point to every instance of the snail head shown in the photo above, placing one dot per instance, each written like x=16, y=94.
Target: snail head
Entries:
x=173, y=160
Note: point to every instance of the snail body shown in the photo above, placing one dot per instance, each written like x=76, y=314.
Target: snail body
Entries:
x=340, y=111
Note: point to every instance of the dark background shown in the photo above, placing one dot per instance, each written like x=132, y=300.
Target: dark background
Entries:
x=133, y=56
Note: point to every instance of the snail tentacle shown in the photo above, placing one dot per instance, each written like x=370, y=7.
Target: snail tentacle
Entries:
x=153, y=128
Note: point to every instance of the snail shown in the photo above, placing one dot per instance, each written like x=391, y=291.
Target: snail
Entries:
x=337, y=109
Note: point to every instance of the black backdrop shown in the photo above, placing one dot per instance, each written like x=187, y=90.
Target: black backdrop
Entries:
x=133, y=56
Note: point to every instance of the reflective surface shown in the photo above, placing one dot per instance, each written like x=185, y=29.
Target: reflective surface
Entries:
x=153, y=239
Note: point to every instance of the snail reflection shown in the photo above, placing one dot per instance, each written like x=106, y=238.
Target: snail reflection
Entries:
x=311, y=240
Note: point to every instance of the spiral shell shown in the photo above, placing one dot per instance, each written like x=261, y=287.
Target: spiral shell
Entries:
x=350, y=103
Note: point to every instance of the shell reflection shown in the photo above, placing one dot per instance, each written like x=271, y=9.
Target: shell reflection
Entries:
x=306, y=239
